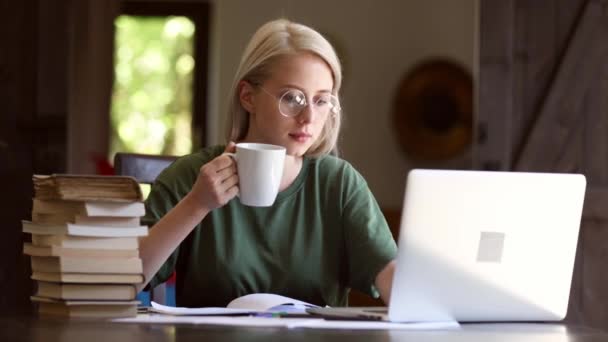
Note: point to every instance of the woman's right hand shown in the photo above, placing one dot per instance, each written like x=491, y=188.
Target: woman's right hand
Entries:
x=217, y=182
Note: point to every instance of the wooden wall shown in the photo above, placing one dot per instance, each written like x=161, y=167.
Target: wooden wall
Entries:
x=33, y=125
x=543, y=106
x=17, y=78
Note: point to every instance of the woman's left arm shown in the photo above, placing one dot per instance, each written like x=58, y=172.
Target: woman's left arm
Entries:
x=384, y=281
x=370, y=248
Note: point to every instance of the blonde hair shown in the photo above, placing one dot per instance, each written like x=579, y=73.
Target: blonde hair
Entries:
x=269, y=43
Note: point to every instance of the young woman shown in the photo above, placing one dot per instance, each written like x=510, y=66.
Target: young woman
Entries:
x=325, y=232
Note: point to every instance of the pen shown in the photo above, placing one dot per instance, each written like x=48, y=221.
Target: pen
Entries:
x=350, y=318
x=283, y=315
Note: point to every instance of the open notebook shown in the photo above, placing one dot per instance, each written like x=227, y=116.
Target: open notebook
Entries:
x=252, y=304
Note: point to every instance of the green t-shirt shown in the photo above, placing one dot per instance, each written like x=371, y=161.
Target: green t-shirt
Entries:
x=323, y=235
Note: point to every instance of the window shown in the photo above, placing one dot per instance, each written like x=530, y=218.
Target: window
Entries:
x=159, y=92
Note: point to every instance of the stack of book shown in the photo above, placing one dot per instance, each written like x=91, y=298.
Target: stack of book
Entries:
x=84, y=250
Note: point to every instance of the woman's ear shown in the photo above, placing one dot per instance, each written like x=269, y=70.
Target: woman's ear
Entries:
x=246, y=95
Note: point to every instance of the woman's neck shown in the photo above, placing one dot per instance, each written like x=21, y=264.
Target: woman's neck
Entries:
x=291, y=170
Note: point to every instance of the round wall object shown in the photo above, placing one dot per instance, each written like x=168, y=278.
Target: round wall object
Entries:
x=433, y=110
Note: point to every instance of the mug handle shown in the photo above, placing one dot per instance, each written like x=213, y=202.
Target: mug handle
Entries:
x=233, y=156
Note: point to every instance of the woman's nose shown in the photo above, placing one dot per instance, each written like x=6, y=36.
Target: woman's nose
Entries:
x=307, y=114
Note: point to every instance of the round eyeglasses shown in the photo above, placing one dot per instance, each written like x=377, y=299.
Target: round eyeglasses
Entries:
x=293, y=101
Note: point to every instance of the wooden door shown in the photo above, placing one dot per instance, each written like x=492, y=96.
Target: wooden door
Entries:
x=543, y=106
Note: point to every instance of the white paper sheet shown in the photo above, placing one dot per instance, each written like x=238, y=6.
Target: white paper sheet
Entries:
x=244, y=321
x=375, y=325
x=290, y=323
x=208, y=311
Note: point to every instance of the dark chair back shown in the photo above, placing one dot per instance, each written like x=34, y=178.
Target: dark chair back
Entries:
x=143, y=167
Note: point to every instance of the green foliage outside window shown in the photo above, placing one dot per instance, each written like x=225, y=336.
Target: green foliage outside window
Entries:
x=153, y=83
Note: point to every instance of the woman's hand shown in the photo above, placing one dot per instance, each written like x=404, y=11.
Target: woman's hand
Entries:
x=217, y=182
x=384, y=281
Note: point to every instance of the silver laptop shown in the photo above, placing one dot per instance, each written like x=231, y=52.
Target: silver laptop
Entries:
x=483, y=246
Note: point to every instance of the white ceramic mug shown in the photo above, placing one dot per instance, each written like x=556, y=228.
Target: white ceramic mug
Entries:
x=260, y=169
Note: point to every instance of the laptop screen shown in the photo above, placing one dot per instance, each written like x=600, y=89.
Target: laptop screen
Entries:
x=486, y=246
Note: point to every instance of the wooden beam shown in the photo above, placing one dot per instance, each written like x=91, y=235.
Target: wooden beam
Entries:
x=594, y=275
x=560, y=111
x=569, y=159
x=595, y=156
x=538, y=48
x=492, y=148
x=596, y=204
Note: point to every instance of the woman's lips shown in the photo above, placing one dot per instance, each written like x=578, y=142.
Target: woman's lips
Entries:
x=300, y=136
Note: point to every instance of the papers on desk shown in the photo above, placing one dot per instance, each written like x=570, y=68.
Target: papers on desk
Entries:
x=243, y=321
x=290, y=323
x=268, y=310
x=210, y=311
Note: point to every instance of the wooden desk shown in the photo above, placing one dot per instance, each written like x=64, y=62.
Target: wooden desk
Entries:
x=29, y=329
